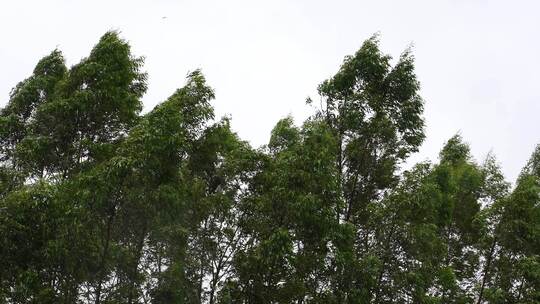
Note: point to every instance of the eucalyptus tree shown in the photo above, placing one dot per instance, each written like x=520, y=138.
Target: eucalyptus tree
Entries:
x=516, y=268
x=19, y=146
x=141, y=198
x=427, y=232
x=58, y=119
x=375, y=114
x=288, y=218
x=222, y=165
x=495, y=192
x=45, y=141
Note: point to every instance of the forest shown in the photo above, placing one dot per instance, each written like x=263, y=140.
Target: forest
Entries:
x=100, y=203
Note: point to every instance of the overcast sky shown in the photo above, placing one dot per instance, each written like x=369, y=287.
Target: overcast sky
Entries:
x=478, y=61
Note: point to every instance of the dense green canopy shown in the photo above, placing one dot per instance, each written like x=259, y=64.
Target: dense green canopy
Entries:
x=101, y=204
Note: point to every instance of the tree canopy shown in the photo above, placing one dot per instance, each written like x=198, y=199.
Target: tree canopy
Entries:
x=102, y=204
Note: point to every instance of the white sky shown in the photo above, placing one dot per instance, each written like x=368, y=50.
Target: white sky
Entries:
x=478, y=61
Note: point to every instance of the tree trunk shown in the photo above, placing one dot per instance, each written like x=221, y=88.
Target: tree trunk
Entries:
x=104, y=256
x=486, y=271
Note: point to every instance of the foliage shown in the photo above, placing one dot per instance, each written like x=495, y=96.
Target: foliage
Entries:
x=102, y=204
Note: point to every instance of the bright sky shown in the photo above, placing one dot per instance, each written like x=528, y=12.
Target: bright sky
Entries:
x=478, y=61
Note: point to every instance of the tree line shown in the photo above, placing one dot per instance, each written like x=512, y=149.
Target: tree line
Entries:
x=102, y=204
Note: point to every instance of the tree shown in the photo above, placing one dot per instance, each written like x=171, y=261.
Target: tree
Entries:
x=516, y=274
x=19, y=146
x=45, y=141
x=374, y=112
x=288, y=217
